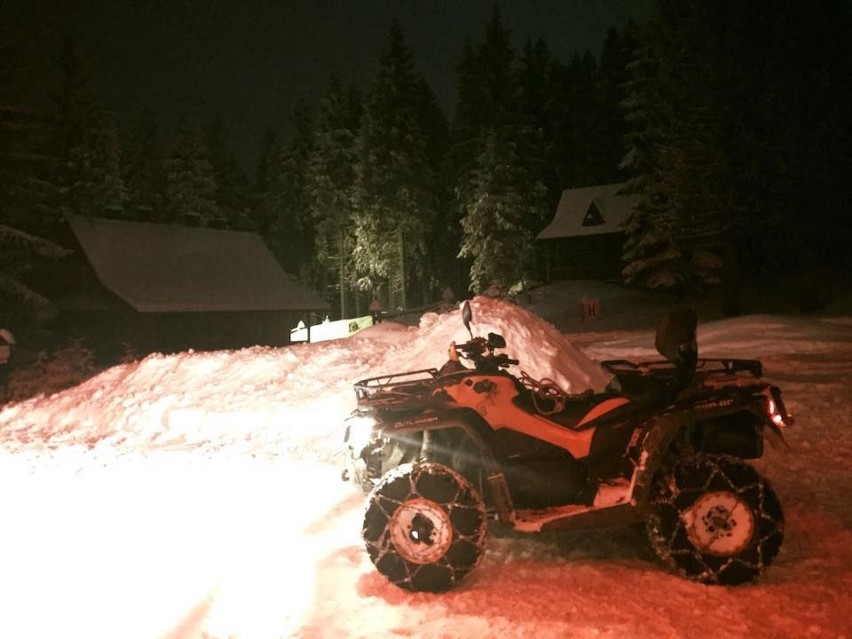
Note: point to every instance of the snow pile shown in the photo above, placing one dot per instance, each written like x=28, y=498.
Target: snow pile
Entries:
x=193, y=399
x=542, y=350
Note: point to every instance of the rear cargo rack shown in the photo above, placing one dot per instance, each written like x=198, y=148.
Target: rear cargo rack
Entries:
x=730, y=366
x=706, y=366
x=398, y=390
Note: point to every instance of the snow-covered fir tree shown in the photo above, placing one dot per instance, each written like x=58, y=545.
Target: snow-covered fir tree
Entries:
x=143, y=170
x=232, y=184
x=20, y=252
x=651, y=256
x=283, y=204
x=263, y=207
x=538, y=110
x=97, y=189
x=610, y=91
x=190, y=182
x=488, y=98
x=395, y=190
x=502, y=198
x=330, y=183
x=87, y=144
x=730, y=158
x=29, y=188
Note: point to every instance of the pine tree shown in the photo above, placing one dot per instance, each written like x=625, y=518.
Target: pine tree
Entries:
x=87, y=144
x=97, y=189
x=737, y=140
x=232, y=185
x=27, y=162
x=465, y=126
x=263, y=208
x=330, y=183
x=503, y=197
x=19, y=253
x=395, y=194
x=611, y=82
x=488, y=98
x=143, y=171
x=789, y=131
x=442, y=233
x=583, y=145
x=539, y=111
x=652, y=257
x=499, y=112
x=285, y=202
x=190, y=182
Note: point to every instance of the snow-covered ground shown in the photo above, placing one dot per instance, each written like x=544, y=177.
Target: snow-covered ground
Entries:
x=199, y=496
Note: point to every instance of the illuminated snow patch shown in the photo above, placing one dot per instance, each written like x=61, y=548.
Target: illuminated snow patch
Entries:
x=138, y=547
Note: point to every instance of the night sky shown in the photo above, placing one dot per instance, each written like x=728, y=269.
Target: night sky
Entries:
x=250, y=60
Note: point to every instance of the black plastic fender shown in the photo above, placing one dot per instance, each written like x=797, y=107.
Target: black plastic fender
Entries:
x=492, y=482
x=649, y=452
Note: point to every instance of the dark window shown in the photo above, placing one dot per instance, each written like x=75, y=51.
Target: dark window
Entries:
x=593, y=216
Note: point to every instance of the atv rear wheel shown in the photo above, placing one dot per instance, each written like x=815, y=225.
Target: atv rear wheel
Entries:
x=715, y=520
x=425, y=527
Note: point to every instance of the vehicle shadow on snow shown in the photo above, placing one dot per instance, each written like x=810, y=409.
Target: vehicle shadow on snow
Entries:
x=530, y=587
x=616, y=543
x=514, y=557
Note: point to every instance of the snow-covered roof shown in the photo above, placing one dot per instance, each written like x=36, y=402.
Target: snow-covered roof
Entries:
x=591, y=210
x=170, y=268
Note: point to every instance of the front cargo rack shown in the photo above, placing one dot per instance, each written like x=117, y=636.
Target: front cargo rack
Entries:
x=398, y=390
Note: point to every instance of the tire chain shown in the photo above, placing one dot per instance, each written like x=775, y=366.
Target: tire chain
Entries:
x=464, y=508
x=668, y=499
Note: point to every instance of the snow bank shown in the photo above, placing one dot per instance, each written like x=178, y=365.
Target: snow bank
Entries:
x=542, y=350
x=235, y=399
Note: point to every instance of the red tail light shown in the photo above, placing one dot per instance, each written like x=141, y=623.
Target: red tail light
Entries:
x=776, y=409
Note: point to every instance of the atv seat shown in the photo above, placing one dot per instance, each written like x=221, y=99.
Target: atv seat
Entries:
x=643, y=387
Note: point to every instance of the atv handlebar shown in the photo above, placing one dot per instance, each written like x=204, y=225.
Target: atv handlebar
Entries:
x=480, y=351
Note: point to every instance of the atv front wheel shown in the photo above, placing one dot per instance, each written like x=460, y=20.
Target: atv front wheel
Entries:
x=715, y=520
x=425, y=527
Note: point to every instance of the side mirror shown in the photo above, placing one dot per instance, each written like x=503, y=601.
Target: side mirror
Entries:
x=467, y=316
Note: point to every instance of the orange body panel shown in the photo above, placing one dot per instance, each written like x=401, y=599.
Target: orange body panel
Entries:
x=496, y=407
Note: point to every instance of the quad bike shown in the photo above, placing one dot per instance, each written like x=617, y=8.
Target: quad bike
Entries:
x=444, y=452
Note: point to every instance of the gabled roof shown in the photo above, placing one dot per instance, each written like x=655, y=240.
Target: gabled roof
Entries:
x=167, y=268
x=602, y=209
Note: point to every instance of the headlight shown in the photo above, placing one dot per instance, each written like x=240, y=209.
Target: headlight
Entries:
x=360, y=431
